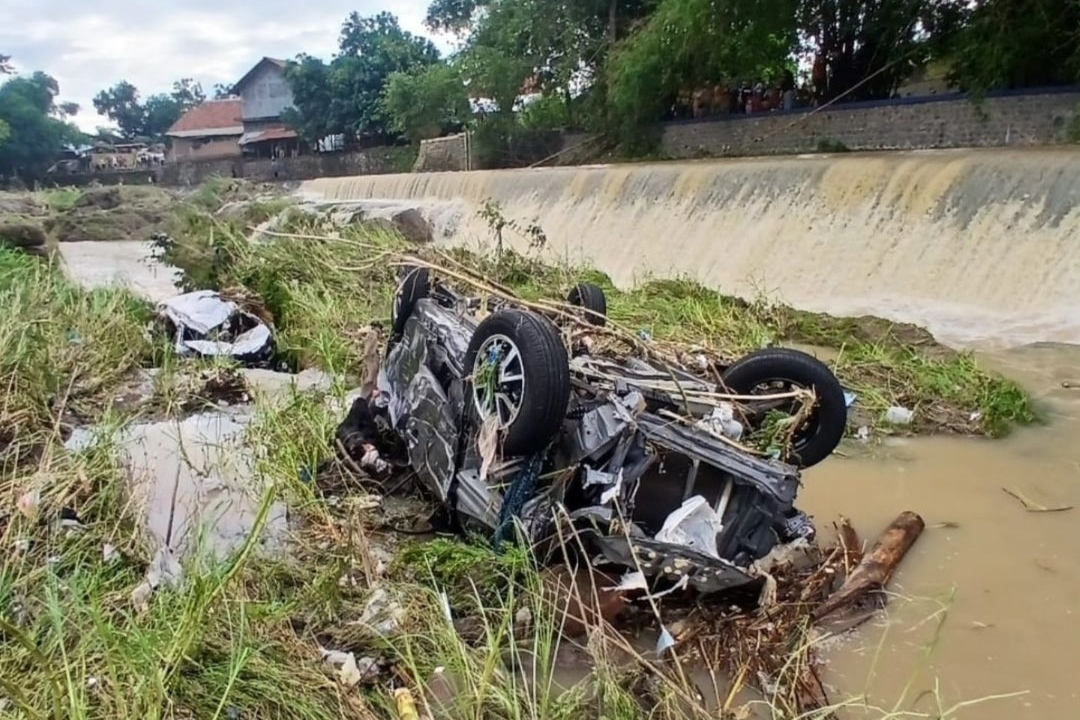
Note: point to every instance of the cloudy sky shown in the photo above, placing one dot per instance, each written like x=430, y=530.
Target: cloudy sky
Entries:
x=88, y=45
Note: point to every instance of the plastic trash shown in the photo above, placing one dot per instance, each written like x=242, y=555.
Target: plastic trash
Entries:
x=206, y=324
x=695, y=525
x=897, y=415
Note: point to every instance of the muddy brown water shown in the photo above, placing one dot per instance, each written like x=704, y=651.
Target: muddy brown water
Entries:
x=1003, y=582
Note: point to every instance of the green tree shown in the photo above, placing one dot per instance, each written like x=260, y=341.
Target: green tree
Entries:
x=870, y=47
x=35, y=130
x=159, y=112
x=120, y=103
x=455, y=16
x=689, y=43
x=555, y=47
x=1017, y=44
x=318, y=108
x=426, y=102
x=150, y=119
x=5, y=69
x=187, y=93
x=345, y=96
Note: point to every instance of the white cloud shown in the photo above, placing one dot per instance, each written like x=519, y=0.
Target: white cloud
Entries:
x=90, y=46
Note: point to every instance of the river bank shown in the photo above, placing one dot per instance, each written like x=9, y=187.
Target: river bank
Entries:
x=322, y=310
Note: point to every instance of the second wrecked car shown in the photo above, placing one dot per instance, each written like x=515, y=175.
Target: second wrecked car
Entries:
x=632, y=461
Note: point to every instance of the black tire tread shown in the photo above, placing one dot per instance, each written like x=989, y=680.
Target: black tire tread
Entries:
x=547, y=377
x=592, y=299
x=785, y=363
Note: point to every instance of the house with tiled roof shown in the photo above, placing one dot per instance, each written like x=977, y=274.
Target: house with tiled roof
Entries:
x=210, y=130
x=265, y=94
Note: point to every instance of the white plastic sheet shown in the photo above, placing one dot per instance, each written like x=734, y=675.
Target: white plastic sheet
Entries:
x=205, y=311
x=695, y=525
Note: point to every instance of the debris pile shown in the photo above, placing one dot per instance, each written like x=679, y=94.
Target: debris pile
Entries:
x=206, y=324
x=622, y=465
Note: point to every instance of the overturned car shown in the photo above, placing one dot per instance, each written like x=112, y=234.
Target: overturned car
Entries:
x=634, y=462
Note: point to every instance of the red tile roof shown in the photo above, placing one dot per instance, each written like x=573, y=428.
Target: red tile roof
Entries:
x=212, y=115
x=276, y=132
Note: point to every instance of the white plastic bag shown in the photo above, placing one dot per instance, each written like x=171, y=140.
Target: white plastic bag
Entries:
x=695, y=525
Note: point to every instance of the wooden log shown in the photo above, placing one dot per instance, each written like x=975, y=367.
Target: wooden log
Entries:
x=877, y=566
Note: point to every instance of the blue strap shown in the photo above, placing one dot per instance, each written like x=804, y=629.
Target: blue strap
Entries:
x=522, y=487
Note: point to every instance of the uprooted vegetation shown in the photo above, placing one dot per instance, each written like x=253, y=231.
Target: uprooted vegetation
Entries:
x=347, y=281
x=359, y=612
x=124, y=212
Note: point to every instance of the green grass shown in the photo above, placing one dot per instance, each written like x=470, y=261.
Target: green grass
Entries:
x=62, y=349
x=59, y=199
x=244, y=639
x=323, y=304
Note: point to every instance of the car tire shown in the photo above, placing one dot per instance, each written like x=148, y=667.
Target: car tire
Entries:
x=542, y=398
x=591, y=298
x=826, y=426
x=415, y=286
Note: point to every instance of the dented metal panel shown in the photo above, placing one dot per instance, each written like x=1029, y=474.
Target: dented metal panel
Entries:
x=599, y=460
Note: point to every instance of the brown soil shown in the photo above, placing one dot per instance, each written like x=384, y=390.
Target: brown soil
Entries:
x=113, y=213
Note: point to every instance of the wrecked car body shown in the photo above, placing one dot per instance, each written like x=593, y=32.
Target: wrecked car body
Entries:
x=205, y=324
x=629, y=462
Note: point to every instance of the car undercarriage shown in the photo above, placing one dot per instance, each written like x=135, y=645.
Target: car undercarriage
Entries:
x=627, y=462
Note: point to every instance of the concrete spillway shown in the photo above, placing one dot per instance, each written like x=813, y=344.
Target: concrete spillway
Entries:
x=982, y=247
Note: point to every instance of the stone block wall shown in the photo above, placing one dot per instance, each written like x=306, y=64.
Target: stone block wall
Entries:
x=374, y=161
x=451, y=153
x=943, y=121
x=442, y=154
x=106, y=177
x=910, y=123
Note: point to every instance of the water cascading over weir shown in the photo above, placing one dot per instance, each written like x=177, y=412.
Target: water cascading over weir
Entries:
x=981, y=247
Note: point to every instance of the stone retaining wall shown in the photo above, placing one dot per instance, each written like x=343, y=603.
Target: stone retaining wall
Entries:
x=375, y=161
x=1039, y=117
x=952, y=121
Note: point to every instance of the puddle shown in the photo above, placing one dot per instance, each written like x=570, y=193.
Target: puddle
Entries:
x=1013, y=622
x=193, y=481
x=127, y=262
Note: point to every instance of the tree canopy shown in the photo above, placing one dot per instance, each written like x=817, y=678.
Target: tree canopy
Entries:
x=149, y=119
x=617, y=64
x=32, y=125
x=613, y=66
x=426, y=102
x=345, y=96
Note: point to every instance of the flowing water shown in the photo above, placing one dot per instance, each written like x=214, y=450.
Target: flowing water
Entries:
x=977, y=246
x=1008, y=579
x=983, y=248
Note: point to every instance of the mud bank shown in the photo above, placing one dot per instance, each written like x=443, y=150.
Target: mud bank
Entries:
x=1004, y=575
x=974, y=245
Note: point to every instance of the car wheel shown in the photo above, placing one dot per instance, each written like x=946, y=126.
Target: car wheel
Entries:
x=591, y=298
x=519, y=373
x=415, y=286
x=779, y=370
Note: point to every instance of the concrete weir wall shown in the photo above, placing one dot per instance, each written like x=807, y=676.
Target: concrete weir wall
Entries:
x=980, y=246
